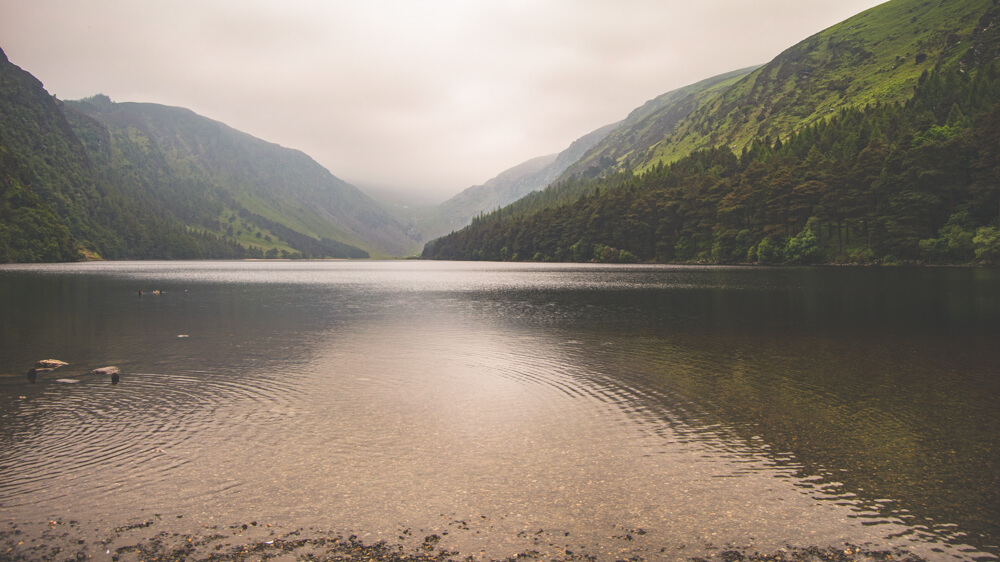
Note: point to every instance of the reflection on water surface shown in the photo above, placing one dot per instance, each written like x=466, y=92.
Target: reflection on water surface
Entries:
x=705, y=407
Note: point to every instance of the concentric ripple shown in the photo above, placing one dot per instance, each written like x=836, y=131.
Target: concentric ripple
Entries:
x=90, y=439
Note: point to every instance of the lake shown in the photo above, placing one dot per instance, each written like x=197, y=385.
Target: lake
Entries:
x=492, y=409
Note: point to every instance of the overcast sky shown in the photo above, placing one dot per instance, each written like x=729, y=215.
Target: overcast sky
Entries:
x=427, y=96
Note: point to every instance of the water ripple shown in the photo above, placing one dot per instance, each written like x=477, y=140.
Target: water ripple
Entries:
x=92, y=438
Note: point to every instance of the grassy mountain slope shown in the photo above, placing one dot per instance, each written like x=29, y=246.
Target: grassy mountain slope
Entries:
x=874, y=57
x=50, y=187
x=647, y=125
x=208, y=173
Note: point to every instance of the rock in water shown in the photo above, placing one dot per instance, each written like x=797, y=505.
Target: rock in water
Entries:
x=35, y=371
x=67, y=381
x=50, y=364
x=113, y=371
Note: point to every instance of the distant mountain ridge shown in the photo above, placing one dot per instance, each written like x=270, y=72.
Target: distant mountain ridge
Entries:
x=508, y=186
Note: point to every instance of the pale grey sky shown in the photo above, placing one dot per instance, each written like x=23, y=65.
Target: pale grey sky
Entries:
x=426, y=96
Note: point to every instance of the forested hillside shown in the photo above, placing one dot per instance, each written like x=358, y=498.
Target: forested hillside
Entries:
x=48, y=187
x=141, y=181
x=918, y=181
x=909, y=175
x=29, y=230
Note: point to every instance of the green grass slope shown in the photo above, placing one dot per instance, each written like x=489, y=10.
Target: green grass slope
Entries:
x=646, y=126
x=874, y=57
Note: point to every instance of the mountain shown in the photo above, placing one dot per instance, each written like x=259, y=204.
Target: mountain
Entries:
x=215, y=177
x=874, y=141
x=50, y=188
x=647, y=125
x=508, y=186
x=610, y=147
x=874, y=57
x=142, y=181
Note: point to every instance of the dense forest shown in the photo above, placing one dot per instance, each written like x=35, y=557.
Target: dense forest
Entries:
x=899, y=182
x=29, y=230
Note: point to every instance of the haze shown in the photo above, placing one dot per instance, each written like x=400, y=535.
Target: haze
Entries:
x=415, y=98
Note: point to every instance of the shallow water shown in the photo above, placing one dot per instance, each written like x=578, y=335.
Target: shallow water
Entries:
x=704, y=407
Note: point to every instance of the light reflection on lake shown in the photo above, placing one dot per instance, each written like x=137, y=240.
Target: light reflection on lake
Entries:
x=703, y=406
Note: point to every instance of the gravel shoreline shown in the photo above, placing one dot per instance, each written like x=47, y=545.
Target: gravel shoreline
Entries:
x=59, y=541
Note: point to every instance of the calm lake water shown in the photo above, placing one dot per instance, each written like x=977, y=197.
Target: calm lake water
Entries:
x=654, y=411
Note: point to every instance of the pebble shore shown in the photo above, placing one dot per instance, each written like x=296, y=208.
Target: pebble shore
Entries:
x=59, y=540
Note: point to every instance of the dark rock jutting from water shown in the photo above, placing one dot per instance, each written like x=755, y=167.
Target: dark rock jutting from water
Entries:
x=44, y=366
x=111, y=370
